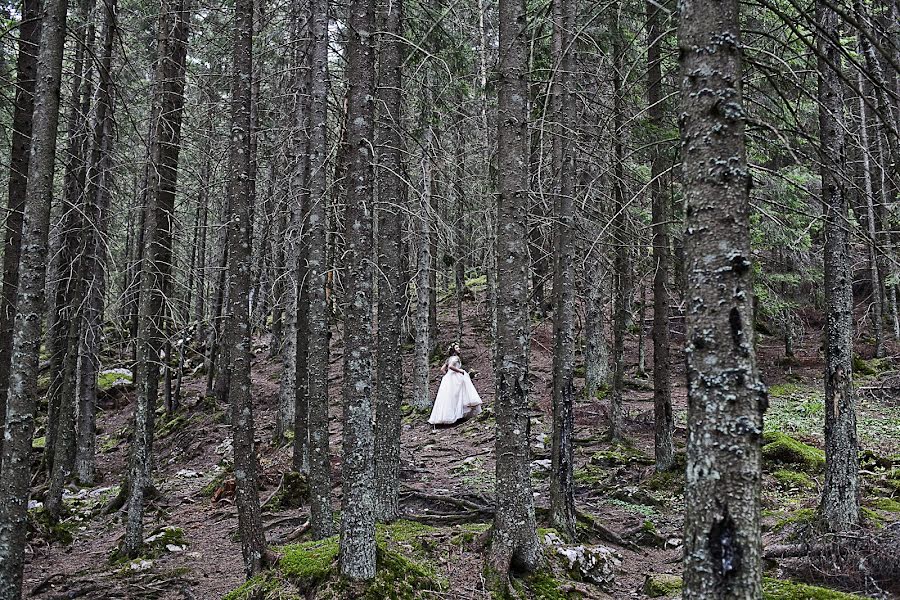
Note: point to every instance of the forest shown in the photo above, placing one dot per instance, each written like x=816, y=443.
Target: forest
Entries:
x=450, y=299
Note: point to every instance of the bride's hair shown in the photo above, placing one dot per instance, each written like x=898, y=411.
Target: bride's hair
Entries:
x=453, y=349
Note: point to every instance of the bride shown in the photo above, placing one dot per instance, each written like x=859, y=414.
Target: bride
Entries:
x=456, y=397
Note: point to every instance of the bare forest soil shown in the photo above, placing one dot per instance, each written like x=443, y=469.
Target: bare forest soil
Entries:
x=446, y=472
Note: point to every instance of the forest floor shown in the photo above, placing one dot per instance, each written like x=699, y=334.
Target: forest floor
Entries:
x=448, y=471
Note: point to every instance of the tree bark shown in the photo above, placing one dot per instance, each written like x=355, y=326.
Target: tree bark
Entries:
x=596, y=351
x=155, y=274
x=358, y=462
x=840, y=494
x=319, y=449
x=20, y=147
x=391, y=288
x=726, y=399
x=15, y=475
x=562, y=484
x=294, y=375
x=253, y=542
x=514, y=540
x=621, y=267
x=660, y=216
x=421, y=368
x=97, y=196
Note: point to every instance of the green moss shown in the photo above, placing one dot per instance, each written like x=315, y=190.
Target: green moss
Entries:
x=784, y=390
x=313, y=566
x=215, y=483
x=469, y=532
x=804, y=516
x=309, y=562
x=886, y=504
x=158, y=542
x=544, y=586
x=777, y=589
x=590, y=476
x=61, y=531
x=266, y=586
x=620, y=454
x=874, y=366
x=872, y=517
x=400, y=578
x=110, y=379
x=43, y=384
x=108, y=443
x=294, y=492
x=662, y=585
x=780, y=448
x=176, y=423
x=666, y=481
x=658, y=586
x=39, y=443
x=792, y=479
x=403, y=530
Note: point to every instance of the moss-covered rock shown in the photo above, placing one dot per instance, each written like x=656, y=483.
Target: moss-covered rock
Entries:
x=166, y=427
x=647, y=535
x=293, y=493
x=39, y=443
x=874, y=366
x=544, y=585
x=619, y=455
x=662, y=585
x=781, y=448
x=61, y=531
x=788, y=479
x=114, y=378
x=669, y=586
x=778, y=589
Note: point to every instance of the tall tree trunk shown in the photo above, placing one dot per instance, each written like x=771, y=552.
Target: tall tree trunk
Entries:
x=840, y=494
x=391, y=288
x=621, y=265
x=253, y=541
x=562, y=483
x=358, y=463
x=514, y=539
x=726, y=398
x=877, y=273
x=159, y=216
x=15, y=475
x=421, y=370
x=63, y=323
x=296, y=340
x=20, y=147
x=97, y=198
x=319, y=449
x=596, y=351
x=660, y=215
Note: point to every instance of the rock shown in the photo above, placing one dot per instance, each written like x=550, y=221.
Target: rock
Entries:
x=541, y=465
x=226, y=450
x=140, y=565
x=662, y=585
x=597, y=564
x=187, y=474
x=648, y=536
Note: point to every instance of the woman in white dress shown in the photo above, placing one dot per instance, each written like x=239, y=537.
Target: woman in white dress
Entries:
x=456, y=397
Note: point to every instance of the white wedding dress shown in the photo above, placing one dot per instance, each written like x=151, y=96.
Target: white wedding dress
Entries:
x=456, y=397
